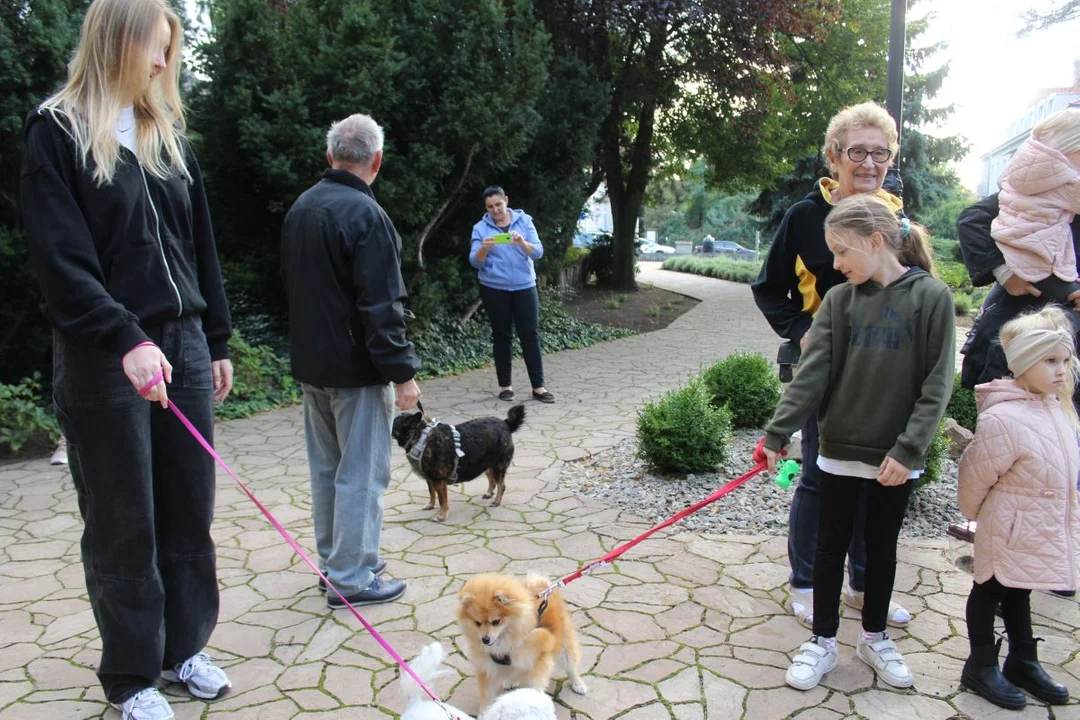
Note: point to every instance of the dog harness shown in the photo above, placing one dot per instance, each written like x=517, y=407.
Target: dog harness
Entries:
x=416, y=454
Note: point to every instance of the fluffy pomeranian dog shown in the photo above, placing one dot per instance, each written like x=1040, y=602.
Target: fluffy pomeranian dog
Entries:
x=523, y=704
x=512, y=638
x=487, y=446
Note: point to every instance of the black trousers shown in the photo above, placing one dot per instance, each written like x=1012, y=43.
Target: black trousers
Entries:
x=1015, y=611
x=145, y=489
x=885, y=509
x=510, y=311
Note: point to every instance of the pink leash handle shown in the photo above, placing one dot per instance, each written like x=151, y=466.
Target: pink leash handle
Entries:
x=288, y=538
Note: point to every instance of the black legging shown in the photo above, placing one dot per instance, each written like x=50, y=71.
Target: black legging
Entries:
x=510, y=311
x=1015, y=611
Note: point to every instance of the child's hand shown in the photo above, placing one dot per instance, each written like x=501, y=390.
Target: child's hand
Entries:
x=770, y=458
x=892, y=473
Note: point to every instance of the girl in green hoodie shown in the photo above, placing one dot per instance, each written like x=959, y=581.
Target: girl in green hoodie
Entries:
x=879, y=369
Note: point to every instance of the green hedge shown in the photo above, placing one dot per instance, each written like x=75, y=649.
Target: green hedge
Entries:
x=721, y=268
x=26, y=416
x=261, y=381
x=682, y=432
x=962, y=406
x=748, y=384
x=935, y=458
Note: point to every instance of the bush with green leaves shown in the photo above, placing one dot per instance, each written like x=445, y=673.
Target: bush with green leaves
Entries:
x=962, y=406
x=261, y=380
x=601, y=260
x=748, y=384
x=962, y=303
x=25, y=416
x=935, y=458
x=742, y=271
x=682, y=432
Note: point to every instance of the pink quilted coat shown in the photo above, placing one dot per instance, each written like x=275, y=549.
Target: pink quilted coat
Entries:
x=1018, y=479
x=1040, y=194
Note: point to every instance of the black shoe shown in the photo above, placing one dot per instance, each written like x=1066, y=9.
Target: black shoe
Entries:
x=506, y=395
x=982, y=677
x=379, y=568
x=1064, y=593
x=379, y=591
x=1022, y=668
x=544, y=397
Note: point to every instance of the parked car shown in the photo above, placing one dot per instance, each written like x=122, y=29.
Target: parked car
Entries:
x=644, y=247
x=733, y=249
x=585, y=240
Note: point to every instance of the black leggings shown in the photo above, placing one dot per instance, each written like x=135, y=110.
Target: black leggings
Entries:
x=885, y=508
x=1015, y=611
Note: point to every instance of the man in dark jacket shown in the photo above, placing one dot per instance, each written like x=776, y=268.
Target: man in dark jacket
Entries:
x=341, y=261
x=984, y=360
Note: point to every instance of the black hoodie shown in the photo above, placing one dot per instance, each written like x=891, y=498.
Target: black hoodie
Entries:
x=115, y=259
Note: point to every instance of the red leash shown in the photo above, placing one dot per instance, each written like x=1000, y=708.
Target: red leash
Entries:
x=759, y=459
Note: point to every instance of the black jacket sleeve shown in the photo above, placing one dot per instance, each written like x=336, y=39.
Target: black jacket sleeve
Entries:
x=380, y=300
x=981, y=254
x=775, y=291
x=216, y=321
x=62, y=249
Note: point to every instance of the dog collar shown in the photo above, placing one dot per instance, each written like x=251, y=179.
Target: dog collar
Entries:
x=501, y=659
x=416, y=453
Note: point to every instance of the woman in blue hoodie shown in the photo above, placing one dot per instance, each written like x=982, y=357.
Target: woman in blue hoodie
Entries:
x=508, y=288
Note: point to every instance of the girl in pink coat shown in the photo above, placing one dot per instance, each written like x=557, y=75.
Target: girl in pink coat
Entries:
x=1018, y=479
x=1040, y=195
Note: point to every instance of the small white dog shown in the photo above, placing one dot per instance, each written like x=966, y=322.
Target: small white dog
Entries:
x=521, y=704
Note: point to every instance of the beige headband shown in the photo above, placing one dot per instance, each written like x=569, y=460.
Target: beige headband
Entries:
x=1031, y=346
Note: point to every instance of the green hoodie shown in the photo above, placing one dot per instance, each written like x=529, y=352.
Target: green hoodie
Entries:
x=879, y=367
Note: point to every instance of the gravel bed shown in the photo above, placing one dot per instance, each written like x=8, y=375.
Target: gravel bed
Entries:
x=618, y=477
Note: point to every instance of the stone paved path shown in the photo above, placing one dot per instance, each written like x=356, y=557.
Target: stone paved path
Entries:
x=685, y=627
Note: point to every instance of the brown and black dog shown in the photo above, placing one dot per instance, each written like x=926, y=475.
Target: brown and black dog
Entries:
x=486, y=442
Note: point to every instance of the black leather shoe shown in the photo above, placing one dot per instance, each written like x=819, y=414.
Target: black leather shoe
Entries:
x=1022, y=668
x=379, y=591
x=982, y=677
x=379, y=568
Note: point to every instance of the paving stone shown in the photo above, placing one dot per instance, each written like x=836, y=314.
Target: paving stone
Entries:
x=746, y=674
x=887, y=705
x=782, y=702
x=608, y=697
x=723, y=698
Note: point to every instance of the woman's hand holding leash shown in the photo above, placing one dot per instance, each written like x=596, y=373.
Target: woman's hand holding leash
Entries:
x=141, y=364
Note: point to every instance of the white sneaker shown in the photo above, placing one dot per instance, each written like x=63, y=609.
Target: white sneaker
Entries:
x=146, y=704
x=204, y=679
x=888, y=663
x=810, y=665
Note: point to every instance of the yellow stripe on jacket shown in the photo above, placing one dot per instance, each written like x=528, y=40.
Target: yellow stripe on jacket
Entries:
x=807, y=286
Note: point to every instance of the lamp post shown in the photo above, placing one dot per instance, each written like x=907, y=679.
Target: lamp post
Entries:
x=894, y=94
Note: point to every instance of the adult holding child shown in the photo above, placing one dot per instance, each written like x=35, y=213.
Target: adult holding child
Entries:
x=860, y=146
x=119, y=232
x=505, y=246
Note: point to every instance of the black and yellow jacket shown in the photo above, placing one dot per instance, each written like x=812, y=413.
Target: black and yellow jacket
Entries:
x=798, y=270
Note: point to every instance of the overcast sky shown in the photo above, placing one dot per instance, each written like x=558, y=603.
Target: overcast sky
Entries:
x=993, y=74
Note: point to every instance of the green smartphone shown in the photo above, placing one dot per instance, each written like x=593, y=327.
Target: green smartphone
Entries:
x=502, y=238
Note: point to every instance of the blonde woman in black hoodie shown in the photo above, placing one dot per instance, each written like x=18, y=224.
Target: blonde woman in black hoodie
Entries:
x=119, y=231
x=878, y=369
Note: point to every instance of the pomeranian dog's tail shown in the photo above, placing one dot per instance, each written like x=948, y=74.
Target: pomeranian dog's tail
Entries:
x=515, y=417
x=427, y=667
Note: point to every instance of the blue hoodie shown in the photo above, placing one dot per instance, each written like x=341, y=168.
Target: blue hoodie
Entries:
x=506, y=267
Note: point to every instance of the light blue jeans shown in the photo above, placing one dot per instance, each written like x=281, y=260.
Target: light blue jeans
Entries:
x=348, y=445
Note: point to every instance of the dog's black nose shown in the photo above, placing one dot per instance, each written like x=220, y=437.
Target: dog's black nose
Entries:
x=486, y=640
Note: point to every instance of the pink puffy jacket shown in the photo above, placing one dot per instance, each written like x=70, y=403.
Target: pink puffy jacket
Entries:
x=1040, y=195
x=1018, y=479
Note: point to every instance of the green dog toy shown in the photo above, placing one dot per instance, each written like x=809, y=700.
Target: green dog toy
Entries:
x=786, y=470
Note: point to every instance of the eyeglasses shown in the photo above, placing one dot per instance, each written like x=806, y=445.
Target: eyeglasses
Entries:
x=858, y=154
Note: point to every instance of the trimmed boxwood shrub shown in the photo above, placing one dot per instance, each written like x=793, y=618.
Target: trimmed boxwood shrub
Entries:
x=962, y=406
x=748, y=384
x=682, y=432
x=935, y=458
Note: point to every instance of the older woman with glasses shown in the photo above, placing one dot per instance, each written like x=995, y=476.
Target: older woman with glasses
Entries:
x=860, y=145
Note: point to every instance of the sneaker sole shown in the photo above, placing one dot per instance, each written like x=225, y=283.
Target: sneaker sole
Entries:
x=900, y=685
x=361, y=603
x=120, y=709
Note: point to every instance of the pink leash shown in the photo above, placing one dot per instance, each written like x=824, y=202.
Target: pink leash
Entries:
x=288, y=538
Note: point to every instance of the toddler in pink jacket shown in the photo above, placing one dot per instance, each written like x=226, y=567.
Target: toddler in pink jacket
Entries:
x=1018, y=479
x=1040, y=195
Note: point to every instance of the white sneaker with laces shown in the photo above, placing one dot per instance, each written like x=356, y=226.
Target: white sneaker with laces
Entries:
x=810, y=665
x=204, y=679
x=147, y=704
x=882, y=655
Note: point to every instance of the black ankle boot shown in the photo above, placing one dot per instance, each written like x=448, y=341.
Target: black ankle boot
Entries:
x=1023, y=669
x=981, y=676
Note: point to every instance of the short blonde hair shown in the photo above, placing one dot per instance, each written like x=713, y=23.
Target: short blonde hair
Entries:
x=111, y=57
x=853, y=117
x=1050, y=317
x=1060, y=131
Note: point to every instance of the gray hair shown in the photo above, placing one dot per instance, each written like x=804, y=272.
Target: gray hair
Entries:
x=355, y=139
